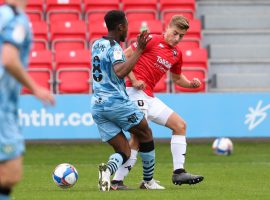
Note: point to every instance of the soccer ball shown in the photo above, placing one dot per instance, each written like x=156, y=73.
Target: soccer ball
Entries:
x=65, y=175
x=222, y=146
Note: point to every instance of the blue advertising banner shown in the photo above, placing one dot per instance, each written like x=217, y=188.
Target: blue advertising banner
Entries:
x=206, y=115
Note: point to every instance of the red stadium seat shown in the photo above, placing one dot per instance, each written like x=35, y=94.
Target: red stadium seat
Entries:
x=68, y=30
x=35, y=5
x=195, y=58
x=72, y=59
x=96, y=10
x=96, y=30
x=63, y=15
x=94, y=17
x=63, y=10
x=73, y=80
x=34, y=15
x=195, y=64
x=191, y=73
x=40, y=45
x=63, y=5
x=194, y=30
x=162, y=85
x=154, y=27
x=100, y=6
x=41, y=59
x=40, y=30
x=168, y=8
x=68, y=44
x=140, y=9
x=187, y=44
x=41, y=76
x=168, y=15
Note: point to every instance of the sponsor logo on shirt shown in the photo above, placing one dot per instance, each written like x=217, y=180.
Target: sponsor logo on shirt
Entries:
x=164, y=62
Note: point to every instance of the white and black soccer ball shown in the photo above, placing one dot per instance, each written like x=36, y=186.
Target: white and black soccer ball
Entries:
x=65, y=175
x=223, y=146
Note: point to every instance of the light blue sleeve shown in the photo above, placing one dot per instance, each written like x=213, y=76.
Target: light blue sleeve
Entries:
x=14, y=33
x=116, y=54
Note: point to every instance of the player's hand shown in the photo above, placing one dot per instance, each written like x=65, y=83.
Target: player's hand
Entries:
x=139, y=84
x=143, y=39
x=44, y=95
x=195, y=83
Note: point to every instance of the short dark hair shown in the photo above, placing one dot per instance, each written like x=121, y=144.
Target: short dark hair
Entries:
x=114, y=18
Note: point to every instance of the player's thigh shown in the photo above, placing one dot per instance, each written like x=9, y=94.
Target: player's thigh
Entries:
x=125, y=116
x=11, y=171
x=120, y=144
x=159, y=112
x=107, y=129
x=142, y=131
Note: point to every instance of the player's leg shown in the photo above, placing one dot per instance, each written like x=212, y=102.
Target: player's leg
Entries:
x=10, y=174
x=122, y=153
x=178, y=149
x=147, y=152
x=111, y=133
x=139, y=99
x=161, y=114
x=124, y=169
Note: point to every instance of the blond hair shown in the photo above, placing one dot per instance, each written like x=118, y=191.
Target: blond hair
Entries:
x=180, y=22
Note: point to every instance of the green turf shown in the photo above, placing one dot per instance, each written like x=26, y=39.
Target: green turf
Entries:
x=243, y=175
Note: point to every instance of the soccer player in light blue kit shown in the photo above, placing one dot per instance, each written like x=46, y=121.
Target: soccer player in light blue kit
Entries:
x=112, y=109
x=15, y=43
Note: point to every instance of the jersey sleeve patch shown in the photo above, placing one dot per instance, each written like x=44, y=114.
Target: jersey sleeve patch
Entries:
x=117, y=54
x=18, y=33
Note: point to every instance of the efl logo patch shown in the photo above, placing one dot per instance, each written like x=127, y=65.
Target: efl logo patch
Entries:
x=117, y=54
x=18, y=34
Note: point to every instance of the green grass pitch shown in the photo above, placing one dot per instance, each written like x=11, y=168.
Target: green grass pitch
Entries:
x=243, y=175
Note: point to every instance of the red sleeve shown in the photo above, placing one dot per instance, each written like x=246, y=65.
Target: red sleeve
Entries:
x=177, y=67
x=149, y=44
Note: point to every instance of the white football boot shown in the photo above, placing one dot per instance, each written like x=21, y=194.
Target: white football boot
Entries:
x=151, y=185
x=104, y=182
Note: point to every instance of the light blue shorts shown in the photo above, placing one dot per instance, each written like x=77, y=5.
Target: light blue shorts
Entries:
x=113, y=120
x=11, y=140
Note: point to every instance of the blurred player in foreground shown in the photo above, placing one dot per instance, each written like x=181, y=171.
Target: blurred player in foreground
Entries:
x=112, y=109
x=15, y=42
x=160, y=55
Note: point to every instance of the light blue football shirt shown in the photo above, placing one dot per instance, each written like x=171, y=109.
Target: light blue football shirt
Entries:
x=109, y=90
x=14, y=29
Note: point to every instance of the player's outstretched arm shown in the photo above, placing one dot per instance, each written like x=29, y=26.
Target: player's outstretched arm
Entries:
x=181, y=80
x=123, y=69
x=11, y=61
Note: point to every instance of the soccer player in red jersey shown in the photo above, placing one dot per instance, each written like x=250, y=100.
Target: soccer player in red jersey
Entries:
x=160, y=55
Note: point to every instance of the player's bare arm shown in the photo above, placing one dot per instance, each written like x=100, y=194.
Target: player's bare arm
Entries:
x=181, y=80
x=138, y=84
x=11, y=61
x=123, y=69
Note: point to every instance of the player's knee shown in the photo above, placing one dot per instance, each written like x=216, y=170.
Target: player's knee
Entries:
x=180, y=128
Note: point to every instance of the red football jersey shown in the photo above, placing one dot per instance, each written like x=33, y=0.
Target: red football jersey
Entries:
x=157, y=58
